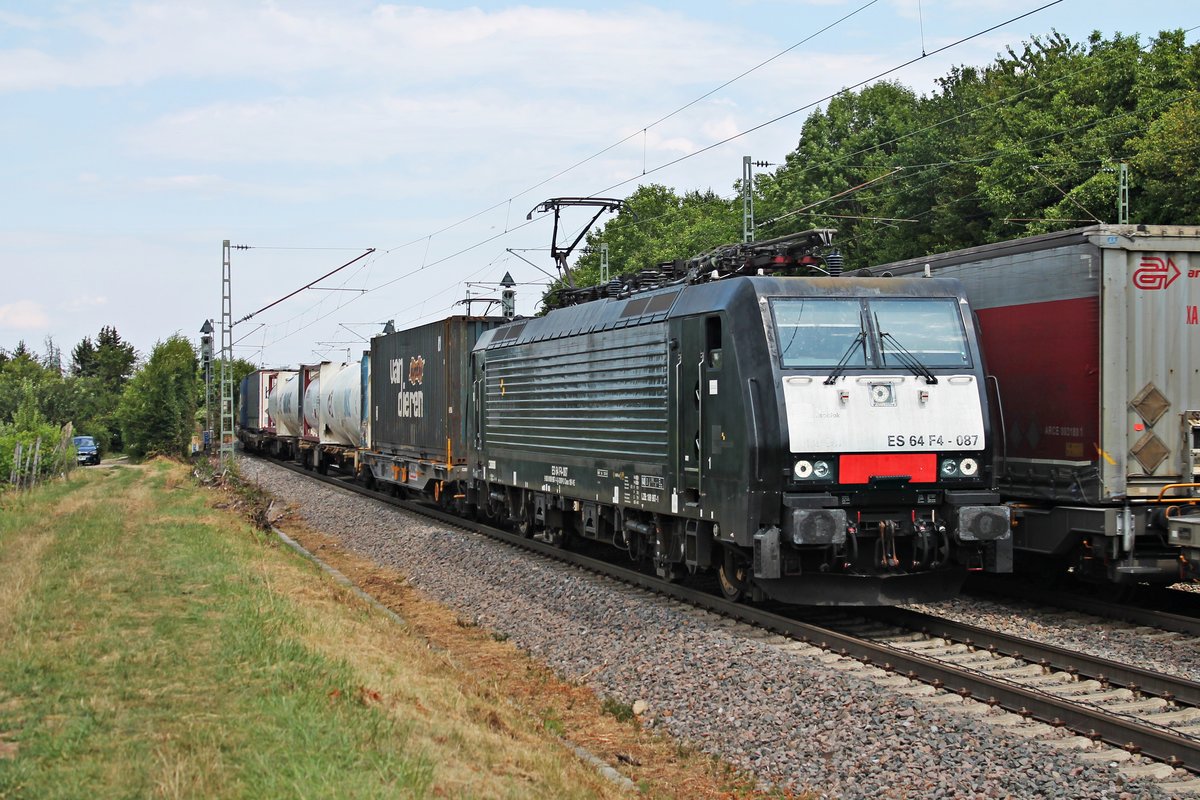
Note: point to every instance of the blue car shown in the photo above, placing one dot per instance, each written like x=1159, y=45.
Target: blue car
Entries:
x=86, y=450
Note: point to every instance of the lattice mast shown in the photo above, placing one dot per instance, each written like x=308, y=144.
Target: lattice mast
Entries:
x=227, y=435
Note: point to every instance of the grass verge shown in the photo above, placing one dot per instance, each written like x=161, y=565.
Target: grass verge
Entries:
x=152, y=645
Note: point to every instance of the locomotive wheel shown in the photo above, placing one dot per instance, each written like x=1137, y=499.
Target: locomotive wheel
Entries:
x=734, y=579
x=556, y=537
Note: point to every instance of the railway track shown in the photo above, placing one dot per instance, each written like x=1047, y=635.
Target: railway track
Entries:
x=1133, y=710
x=1152, y=617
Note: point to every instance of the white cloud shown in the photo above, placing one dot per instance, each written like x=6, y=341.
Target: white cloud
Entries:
x=81, y=302
x=23, y=315
x=384, y=45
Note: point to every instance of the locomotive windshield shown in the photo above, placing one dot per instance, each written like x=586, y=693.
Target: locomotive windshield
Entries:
x=928, y=327
x=820, y=332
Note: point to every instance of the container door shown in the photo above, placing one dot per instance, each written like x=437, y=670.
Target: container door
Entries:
x=1151, y=383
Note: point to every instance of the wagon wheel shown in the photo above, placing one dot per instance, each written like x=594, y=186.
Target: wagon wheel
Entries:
x=556, y=537
x=492, y=508
x=525, y=527
x=522, y=516
x=733, y=577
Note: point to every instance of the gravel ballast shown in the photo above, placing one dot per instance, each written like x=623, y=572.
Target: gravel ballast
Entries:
x=792, y=715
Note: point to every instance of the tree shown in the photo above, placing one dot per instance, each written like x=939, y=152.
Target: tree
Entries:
x=83, y=359
x=115, y=359
x=20, y=374
x=657, y=225
x=158, y=407
x=240, y=369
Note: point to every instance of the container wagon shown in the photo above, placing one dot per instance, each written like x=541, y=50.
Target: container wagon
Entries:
x=1092, y=341
x=255, y=426
x=417, y=440
x=330, y=431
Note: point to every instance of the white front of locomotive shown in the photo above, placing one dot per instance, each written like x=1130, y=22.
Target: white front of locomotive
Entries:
x=885, y=415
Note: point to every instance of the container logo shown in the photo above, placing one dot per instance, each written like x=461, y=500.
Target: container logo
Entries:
x=1155, y=273
x=416, y=370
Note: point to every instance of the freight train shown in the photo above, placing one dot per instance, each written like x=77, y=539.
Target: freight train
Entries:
x=1092, y=338
x=806, y=436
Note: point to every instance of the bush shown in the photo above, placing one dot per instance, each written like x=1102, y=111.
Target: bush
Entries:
x=51, y=462
x=158, y=405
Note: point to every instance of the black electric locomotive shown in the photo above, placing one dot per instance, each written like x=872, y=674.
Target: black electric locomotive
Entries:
x=815, y=440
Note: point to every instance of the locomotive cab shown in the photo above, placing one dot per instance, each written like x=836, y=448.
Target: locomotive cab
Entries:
x=855, y=413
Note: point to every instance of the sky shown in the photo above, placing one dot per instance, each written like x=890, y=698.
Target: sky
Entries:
x=139, y=136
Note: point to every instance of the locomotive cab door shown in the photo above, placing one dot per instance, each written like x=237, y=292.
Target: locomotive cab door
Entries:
x=698, y=365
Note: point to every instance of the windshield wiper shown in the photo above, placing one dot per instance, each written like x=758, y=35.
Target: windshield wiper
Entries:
x=904, y=356
x=859, y=340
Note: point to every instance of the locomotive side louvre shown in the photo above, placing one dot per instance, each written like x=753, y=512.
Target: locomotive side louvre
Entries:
x=571, y=405
x=576, y=404
x=1094, y=340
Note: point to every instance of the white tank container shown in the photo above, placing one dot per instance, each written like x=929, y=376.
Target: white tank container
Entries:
x=341, y=404
x=283, y=404
x=312, y=406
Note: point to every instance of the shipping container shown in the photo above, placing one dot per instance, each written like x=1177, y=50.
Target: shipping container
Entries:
x=341, y=404
x=419, y=380
x=252, y=411
x=283, y=403
x=310, y=401
x=1092, y=340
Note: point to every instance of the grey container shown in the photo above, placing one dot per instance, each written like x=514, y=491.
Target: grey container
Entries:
x=252, y=404
x=420, y=380
x=1094, y=339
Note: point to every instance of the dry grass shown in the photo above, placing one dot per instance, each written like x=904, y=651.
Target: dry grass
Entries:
x=481, y=745
x=497, y=678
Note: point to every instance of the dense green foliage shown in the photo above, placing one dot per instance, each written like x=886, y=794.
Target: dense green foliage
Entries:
x=1027, y=144
x=86, y=394
x=240, y=368
x=104, y=394
x=158, y=407
x=37, y=438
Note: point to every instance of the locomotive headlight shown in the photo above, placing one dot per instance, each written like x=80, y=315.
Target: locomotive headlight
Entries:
x=958, y=468
x=883, y=394
x=804, y=469
x=822, y=470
